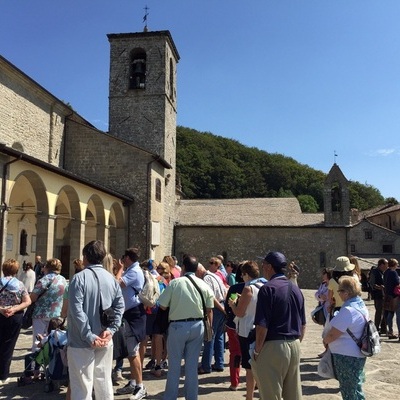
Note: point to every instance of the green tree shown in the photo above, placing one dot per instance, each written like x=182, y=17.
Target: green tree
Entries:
x=307, y=203
x=214, y=167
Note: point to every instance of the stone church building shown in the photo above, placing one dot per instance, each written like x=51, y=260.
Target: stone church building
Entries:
x=64, y=182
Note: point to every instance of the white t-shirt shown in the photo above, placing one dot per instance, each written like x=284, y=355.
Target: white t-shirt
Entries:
x=348, y=318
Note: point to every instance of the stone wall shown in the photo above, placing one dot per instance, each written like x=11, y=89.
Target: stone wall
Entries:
x=368, y=238
x=120, y=167
x=304, y=245
x=31, y=120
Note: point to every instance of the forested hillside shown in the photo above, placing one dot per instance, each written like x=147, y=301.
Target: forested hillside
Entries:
x=214, y=167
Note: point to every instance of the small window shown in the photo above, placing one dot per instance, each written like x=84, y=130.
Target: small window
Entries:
x=23, y=242
x=137, y=73
x=387, y=248
x=352, y=248
x=322, y=259
x=368, y=235
x=158, y=190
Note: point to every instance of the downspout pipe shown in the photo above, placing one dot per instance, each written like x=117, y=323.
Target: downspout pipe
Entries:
x=3, y=206
x=148, y=222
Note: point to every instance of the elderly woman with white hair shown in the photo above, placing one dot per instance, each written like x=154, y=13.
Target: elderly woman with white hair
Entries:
x=348, y=361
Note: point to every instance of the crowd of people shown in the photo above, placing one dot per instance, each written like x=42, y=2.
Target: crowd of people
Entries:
x=255, y=309
x=108, y=323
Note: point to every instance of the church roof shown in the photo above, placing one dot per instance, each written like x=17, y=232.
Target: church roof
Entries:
x=244, y=212
x=387, y=210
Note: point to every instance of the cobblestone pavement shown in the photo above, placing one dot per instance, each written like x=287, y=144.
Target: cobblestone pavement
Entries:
x=381, y=371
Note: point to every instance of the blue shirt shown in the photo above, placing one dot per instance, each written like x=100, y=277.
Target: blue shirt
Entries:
x=133, y=278
x=83, y=305
x=279, y=313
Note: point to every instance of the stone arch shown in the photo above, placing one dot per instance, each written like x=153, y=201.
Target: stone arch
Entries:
x=28, y=210
x=95, y=219
x=67, y=228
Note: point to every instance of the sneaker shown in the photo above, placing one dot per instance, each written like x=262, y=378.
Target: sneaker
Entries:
x=127, y=389
x=117, y=376
x=150, y=365
x=4, y=381
x=164, y=364
x=139, y=393
x=234, y=388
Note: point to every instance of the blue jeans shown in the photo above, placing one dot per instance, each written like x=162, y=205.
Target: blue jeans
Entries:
x=217, y=346
x=184, y=341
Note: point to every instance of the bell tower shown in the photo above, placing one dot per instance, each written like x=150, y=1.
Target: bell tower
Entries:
x=336, y=198
x=142, y=91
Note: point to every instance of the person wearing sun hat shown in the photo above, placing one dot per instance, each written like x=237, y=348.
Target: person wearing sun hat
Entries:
x=342, y=267
x=280, y=325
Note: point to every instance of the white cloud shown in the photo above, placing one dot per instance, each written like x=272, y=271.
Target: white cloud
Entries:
x=383, y=152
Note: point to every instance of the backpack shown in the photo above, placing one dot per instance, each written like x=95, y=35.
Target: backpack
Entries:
x=151, y=290
x=369, y=342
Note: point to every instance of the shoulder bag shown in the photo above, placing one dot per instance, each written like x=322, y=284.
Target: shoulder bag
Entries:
x=107, y=317
x=27, y=318
x=318, y=315
x=208, y=332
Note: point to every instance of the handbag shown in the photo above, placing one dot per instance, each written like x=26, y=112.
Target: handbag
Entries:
x=326, y=368
x=390, y=303
x=107, y=316
x=27, y=318
x=208, y=331
x=396, y=291
x=318, y=315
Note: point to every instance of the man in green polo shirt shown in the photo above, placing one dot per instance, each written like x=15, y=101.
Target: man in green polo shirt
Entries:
x=185, y=332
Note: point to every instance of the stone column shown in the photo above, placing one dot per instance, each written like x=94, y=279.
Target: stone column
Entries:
x=45, y=236
x=77, y=239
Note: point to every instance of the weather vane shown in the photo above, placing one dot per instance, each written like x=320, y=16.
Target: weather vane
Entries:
x=146, y=9
x=334, y=156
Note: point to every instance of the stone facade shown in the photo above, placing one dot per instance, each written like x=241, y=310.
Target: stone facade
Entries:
x=31, y=121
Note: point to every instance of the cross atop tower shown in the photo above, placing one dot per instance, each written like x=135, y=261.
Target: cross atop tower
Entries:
x=146, y=13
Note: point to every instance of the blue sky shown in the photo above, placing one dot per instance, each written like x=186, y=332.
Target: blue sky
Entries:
x=303, y=78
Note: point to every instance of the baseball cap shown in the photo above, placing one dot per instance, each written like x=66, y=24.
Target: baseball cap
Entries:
x=276, y=259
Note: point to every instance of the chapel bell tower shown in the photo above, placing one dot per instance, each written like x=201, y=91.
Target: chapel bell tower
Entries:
x=336, y=198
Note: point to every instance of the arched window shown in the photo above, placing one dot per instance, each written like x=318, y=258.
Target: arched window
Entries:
x=158, y=190
x=336, y=197
x=23, y=242
x=137, y=73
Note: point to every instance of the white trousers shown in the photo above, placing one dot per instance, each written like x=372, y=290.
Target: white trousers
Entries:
x=90, y=368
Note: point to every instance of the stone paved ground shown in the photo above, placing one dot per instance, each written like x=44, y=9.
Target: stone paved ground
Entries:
x=382, y=373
